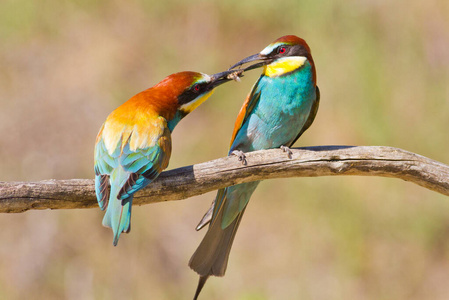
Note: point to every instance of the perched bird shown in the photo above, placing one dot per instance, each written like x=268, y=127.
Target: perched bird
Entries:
x=280, y=107
x=134, y=144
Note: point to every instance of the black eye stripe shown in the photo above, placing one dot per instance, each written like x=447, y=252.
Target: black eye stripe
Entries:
x=191, y=93
x=290, y=50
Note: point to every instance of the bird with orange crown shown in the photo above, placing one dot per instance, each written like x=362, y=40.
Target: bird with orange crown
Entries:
x=134, y=144
x=280, y=107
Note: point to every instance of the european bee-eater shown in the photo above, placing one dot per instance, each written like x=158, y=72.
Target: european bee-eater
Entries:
x=280, y=107
x=134, y=143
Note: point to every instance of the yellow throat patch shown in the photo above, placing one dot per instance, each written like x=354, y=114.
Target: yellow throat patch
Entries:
x=284, y=65
x=190, y=106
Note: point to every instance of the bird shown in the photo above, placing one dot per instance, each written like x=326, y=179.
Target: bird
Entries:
x=281, y=105
x=134, y=144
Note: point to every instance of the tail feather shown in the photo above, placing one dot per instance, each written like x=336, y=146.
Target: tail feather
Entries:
x=211, y=257
x=201, y=283
x=118, y=212
x=118, y=217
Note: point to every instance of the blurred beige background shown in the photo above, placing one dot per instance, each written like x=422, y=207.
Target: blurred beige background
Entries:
x=383, y=71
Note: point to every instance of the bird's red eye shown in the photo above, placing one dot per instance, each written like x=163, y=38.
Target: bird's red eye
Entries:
x=196, y=88
x=282, y=50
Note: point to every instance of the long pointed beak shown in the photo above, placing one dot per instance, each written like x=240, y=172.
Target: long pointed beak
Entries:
x=222, y=77
x=264, y=61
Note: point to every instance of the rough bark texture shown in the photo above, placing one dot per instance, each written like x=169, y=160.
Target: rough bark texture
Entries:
x=198, y=179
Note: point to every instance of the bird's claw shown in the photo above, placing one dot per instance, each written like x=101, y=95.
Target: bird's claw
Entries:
x=287, y=150
x=241, y=155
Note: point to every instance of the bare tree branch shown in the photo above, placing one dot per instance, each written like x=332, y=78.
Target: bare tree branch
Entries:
x=198, y=179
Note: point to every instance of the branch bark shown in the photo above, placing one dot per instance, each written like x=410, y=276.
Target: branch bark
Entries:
x=201, y=178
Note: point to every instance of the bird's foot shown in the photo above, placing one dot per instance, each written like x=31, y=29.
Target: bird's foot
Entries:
x=287, y=150
x=241, y=155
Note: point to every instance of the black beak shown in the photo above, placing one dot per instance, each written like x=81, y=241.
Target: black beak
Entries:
x=222, y=77
x=264, y=61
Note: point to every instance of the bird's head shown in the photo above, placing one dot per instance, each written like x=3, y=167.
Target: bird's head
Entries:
x=196, y=88
x=180, y=93
x=189, y=89
x=281, y=57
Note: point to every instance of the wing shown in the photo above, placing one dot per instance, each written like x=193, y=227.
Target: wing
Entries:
x=132, y=149
x=250, y=102
x=233, y=201
x=145, y=163
x=104, y=164
x=311, y=117
x=142, y=149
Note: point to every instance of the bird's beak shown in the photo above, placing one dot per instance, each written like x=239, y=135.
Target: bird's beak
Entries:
x=264, y=61
x=222, y=77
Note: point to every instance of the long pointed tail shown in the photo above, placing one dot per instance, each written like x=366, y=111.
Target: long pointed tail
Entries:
x=211, y=257
x=201, y=283
x=118, y=217
x=118, y=213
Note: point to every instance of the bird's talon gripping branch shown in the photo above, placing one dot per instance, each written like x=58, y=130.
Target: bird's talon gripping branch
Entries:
x=241, y=155
x=287, y=150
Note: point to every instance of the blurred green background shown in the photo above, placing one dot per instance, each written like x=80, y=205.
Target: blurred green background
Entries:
x=383, y=71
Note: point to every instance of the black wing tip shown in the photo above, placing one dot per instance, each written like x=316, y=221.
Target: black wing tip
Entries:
x=104, y=191
x=128, y=186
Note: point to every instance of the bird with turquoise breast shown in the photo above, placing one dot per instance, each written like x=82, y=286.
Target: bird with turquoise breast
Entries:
x=280, y=107
x=134, y=143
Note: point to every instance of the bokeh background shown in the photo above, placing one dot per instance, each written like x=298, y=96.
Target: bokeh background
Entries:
x=383, y=71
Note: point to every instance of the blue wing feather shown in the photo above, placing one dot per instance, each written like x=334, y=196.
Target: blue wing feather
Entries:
x=125, y=172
